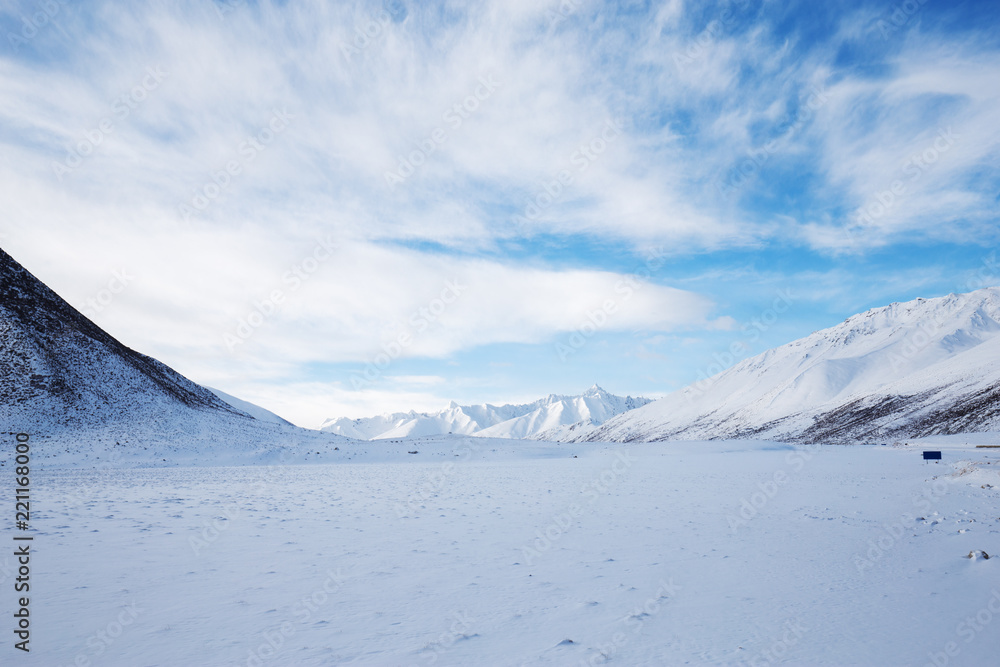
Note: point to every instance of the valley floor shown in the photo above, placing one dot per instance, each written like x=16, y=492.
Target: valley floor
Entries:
x=487, y=552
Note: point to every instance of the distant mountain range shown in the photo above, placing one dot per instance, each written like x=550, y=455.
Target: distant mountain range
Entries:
x=549, y=418
x=925, y=367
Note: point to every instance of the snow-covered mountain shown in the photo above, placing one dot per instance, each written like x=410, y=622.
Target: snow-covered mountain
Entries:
x=925, y=367
x=64, y=379
x=252, y=409
x=544, y=419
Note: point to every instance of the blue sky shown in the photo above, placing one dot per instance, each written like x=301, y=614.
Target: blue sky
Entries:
x=341, y=209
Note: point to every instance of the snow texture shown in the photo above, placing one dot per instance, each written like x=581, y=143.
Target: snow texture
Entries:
x=485, y=552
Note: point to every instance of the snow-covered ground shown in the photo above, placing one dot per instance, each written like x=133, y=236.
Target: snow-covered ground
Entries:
x=488, y=552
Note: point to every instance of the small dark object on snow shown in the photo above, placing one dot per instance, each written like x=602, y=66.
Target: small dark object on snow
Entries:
x=932, y=456
x=413, y=452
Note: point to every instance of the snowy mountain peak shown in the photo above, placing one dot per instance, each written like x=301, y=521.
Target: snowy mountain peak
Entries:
x=922, y=367
x=545, y=418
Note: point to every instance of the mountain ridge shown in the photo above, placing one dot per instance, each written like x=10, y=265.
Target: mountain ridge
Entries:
x=906, y=370
x=521, y=421
x=40, y=331
x=65, y=380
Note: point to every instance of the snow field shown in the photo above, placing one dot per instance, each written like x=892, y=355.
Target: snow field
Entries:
x=508, y=553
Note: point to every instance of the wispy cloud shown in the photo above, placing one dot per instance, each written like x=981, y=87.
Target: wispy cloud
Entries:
x=207, y=146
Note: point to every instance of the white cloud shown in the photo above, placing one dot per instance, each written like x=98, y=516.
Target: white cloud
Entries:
x=905, y=150
x=308, y=404
x=172, y=105
x=350, y=122
x=191, y=291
